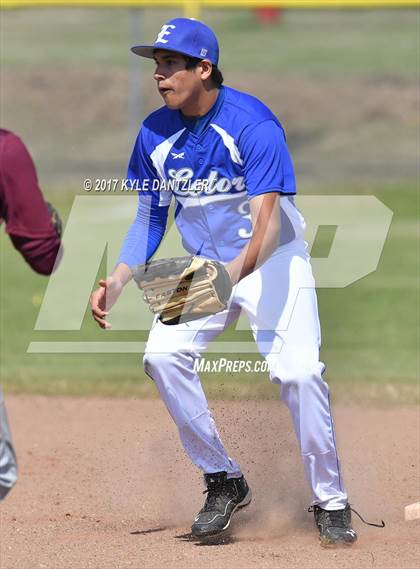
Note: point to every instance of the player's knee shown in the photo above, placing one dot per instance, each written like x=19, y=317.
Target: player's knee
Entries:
x=167, y=363
x=304, y=380
x=153, y=362
x=298, y=377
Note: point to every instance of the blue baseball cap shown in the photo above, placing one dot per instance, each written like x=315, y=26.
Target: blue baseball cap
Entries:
x=184, y=35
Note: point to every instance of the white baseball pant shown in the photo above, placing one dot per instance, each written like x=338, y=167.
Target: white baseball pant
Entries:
x=8, y=464
x=280, y=301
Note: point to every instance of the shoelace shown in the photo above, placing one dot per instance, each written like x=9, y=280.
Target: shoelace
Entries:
x=337, y=519
x=212, y=494
x=381, y=525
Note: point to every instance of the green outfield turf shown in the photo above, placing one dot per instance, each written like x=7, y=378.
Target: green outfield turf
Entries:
x=370, y=338
x=344, y=84
x=364, y=41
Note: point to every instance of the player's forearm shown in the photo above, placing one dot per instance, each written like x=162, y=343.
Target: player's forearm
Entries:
x=263, y=242
x=265, y=218
x=41, y=253
x=145, y=233
x=122, y=273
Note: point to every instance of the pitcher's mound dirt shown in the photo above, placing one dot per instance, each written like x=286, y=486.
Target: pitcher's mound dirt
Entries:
x=104, y=484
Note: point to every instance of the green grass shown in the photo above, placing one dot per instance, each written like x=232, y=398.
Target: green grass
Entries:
x=344, y=83
x=370, y=331
x=360, y=42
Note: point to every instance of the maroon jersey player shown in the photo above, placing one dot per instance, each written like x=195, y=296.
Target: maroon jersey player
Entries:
x=32, y=224
x=35, y=230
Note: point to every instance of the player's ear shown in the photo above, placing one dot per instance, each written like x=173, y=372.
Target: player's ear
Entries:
x=206, y=69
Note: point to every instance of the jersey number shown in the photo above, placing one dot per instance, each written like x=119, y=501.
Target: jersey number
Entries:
x=245, y=212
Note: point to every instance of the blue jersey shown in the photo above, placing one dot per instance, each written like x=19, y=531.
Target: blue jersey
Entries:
x=211, y=168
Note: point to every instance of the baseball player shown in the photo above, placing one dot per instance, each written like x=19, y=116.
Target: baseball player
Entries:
x=221, y=155
x=34, y=227
x=32, y=224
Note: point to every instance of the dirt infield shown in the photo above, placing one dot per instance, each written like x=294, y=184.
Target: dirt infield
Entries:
x=104, y=484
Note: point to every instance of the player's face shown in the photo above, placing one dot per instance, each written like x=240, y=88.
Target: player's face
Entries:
x=178, y=86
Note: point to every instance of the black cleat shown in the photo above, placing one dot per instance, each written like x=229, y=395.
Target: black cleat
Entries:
x=224, y=497
x=334, y=526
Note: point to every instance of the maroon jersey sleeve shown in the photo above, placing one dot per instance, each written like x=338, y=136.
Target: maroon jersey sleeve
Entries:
x=22, y=206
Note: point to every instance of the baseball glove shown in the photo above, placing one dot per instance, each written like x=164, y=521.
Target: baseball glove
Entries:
x=182, y=289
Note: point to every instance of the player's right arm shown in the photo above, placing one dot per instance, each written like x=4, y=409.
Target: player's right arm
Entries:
x=268, y=173
x=107, y=294
x=142, y=239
